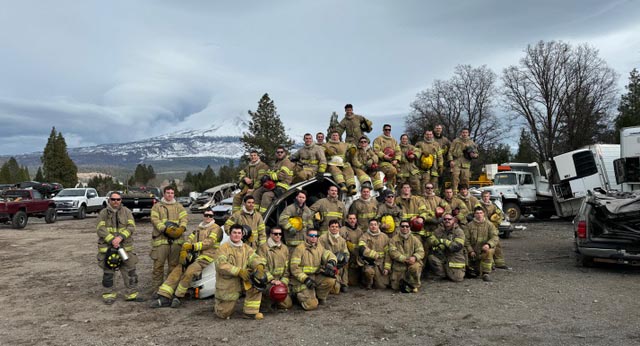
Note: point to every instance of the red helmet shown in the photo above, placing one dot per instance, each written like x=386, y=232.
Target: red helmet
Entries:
x=278, y=293
x=389, y=152
x=269, y=185
x=374, y=166
x=416, y=224
x=411, y=155
x=439, y=211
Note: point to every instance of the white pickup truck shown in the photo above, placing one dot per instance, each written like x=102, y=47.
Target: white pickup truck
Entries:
x=78, y=202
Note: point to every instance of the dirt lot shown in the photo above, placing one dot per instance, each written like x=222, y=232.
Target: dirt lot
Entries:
x=51, y=296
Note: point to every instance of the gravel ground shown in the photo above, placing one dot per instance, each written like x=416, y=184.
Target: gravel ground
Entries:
x=51, y=296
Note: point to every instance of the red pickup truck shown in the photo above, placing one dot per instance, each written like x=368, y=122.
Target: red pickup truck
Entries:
x=16, y=206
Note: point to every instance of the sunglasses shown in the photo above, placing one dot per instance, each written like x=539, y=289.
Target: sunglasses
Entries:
x=387, y=130
x=277, y=234
x=404, y=226
x=448, y=219
x=364, y=142
x=208, y=215
x=428, y=188
x=115, y=199
x=279, y=152
x=389, y=196
x=312, y=235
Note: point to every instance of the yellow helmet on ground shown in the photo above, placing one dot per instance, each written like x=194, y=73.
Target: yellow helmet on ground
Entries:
x=495, y=218
x=426, y=161
x=296, y=222
x=390, y=222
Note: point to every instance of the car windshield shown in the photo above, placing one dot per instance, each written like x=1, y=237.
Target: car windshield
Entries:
x=504, y=179
x=71, y=193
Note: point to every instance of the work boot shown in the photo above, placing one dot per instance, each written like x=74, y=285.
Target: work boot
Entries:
x=257, y=316
x=503, y=266
x=343, y=187
x=322, y=301
x=344, y=288
x=486, y=278
x=161, y=302
x=352, y=190
x=137, y=299
x=175, y=302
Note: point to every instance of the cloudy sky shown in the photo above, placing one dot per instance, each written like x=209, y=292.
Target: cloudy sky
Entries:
x=116, y=71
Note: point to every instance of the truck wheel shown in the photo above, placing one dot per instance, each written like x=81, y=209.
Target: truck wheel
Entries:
x=82, y=212
x=506, y=234
x=51, y=216
x=19, y=220
x=512, y=211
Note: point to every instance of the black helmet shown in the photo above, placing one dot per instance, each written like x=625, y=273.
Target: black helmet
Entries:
x=342, y=259
x=405, y=287
x=260, y=283
x=112, y=259
x=246, y=233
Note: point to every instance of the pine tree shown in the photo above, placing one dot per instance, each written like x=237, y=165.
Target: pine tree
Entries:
x=266, y=131
x=39, y=176
x=57, y=166
x=525, y=153
x=629, y=108
x=11, y=172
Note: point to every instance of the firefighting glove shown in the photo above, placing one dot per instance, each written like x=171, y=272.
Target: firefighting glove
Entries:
x=260, y=271
x=351, y=246
x=174, y=232
x=455, y=246
x=183, y=257
x=244, y=274
x=331, y=269
x=320, y=177
x=187, y=246
x=310, y=283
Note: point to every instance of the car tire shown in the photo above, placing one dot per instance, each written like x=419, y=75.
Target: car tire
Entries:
x=50, y=216
x=512, y=212
x=19, y=220
x=82, y=213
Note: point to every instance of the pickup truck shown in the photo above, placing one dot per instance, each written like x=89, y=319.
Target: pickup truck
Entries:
x=140, y=200
x=17, y=205
x=78, y=202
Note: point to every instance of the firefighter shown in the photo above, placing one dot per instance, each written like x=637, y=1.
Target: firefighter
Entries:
x=458, y=207
x=250, y=179
x=389, y=213
x=412, y=207
x=310, y=161
x=431, y=162
x=251, y=218
x=481, y=238
x=276, y=255
x=374, y=257
x=443, y=152
x=197, y=253
x=320, y=139
x=333, y=242
x=365, y=207
x=338, y=165
x=277, y=180
x=470, y=201
x=236, y=264
x=295, y=219
x=389, y=153
x=436, y=207
x=495, y=216
x=407, y=254
x=313, y=269
x=351, y=233
x=329, y=208
x=447, y=257
x=365, y=165
x=354, y=125
x=462, y=151
x=407, y=169
x=115, y=230
x=169, y=220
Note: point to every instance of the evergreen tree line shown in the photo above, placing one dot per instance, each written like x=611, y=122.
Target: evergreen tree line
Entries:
x=12, y=173
x=208, y=178
x=142, y=175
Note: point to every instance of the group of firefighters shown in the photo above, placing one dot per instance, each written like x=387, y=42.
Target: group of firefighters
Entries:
x=322, y=248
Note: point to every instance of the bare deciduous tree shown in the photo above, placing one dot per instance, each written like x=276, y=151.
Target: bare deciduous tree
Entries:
x=563, y=94
x=465, y=100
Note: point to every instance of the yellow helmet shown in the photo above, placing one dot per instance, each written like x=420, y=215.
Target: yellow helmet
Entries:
x=495, y=218
x=296, y=222
x=389, y=221
x=426, y=161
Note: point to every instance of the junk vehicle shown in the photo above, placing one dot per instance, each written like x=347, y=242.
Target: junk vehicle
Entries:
x=522, y=190
x=213, y=196
x=46, y=189
x=140, y=200
x=580, y=171
x=222, y=211
x=79, y=201
x=606, y=227
x=17, y=205
x=204, y=286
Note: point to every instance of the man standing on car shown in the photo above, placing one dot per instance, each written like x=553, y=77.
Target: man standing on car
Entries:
x=354, y=125
x=115, y=231
x=250, y=178
x=169, y=220
x=310, y=161
x=462, y=151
